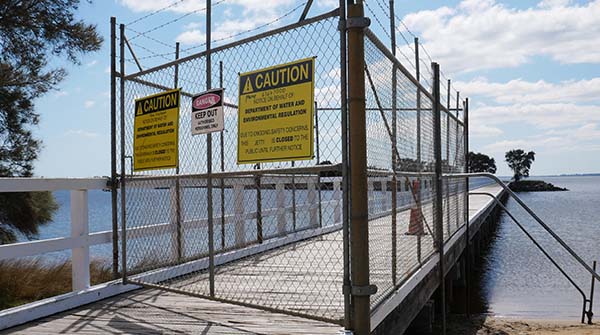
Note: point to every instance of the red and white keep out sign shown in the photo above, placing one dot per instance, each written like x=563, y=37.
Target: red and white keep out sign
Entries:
x=207, y=112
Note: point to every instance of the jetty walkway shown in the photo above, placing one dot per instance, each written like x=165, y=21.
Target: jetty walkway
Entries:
x=155, y=311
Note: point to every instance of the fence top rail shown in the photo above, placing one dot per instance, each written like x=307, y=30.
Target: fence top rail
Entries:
x=324, y=16
x=11, y=185
x=377, y=42
x=296, y=171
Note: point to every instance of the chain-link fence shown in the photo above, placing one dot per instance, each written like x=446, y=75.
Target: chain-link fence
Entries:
x=400, y=129
x=271, y=235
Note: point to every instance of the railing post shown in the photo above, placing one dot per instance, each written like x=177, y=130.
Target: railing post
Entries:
x=312, y=202
x=439, y=220
x=80, y=258
x=240, y=220
x=281, y=208
x=176, y=229
x=337, y=196
x=359, y=209
x=384, y=199
x=371, y=193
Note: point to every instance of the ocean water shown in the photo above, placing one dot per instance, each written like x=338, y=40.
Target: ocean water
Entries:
x=517, y=280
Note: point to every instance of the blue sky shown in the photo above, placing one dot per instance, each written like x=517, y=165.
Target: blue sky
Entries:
x=530, y=69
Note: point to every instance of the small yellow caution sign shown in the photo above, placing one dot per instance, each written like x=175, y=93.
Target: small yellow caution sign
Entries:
x=156, y=131
x=275, y=115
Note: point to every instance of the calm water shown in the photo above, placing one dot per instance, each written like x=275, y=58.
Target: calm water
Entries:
x=518, y=281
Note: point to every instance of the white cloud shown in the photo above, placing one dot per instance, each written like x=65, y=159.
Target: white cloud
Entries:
x=577, y=139
x=107, y=69
x=92, y=63
x=89, y=103
x=191, y=37
x=541, y=104
x=483, y=34
x=520, y=91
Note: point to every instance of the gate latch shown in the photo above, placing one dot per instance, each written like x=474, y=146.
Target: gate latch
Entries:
x=357, y=22
x=360, y=290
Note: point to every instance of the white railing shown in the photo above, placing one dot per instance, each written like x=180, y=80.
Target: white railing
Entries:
x=80, y=239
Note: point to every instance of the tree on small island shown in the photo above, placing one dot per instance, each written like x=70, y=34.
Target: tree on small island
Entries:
x=479, y=162
x=520, y=162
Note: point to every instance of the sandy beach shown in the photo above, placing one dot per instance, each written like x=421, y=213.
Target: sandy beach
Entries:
x=489, y=325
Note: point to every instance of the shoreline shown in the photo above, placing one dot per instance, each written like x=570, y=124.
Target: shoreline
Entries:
x=485, y=324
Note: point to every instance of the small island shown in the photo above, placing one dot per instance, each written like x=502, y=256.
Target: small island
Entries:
x=520, y=162
x=534, y=186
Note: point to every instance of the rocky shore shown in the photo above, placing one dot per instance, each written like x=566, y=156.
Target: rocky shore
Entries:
x=534, y=186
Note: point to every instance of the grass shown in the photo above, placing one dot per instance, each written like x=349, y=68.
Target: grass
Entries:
x=24, y=281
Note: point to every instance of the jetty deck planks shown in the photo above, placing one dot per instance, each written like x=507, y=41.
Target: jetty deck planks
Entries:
x=151, y=311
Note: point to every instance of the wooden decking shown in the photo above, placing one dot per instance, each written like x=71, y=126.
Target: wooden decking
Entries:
x=305, y=277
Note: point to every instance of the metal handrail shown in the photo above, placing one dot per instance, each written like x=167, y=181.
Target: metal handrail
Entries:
x=584, y=313
x=520, y=202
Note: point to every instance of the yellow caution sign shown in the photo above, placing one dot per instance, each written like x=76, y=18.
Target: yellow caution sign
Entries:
x=156, y=131
x=275, y=116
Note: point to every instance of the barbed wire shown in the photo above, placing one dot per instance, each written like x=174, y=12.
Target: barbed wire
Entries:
x=248, y=30
x=155, y=12
x=389, y=36
x=150, y=38
x=176, y=19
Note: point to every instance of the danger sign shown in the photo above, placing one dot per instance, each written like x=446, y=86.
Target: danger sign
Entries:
x=207, y=112
x=275, y=121
x=155, y=131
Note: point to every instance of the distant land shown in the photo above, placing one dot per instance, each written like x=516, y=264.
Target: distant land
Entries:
x=569, y=175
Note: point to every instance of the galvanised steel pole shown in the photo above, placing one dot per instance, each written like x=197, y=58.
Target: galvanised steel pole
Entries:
x=419, y=165
x=439, y=224
x=113, y=147
x=177, y=181
x=468, y=244
x=456, y=157
x=122, y=179
x=209, y=188
x=345, y=169
x=394, y=149
x=359, y=219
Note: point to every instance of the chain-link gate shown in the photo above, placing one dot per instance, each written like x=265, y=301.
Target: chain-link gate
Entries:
x=275, y=235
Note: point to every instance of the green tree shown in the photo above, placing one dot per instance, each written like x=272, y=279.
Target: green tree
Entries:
x=32, y=33
x=520, y=162
x=479, y=162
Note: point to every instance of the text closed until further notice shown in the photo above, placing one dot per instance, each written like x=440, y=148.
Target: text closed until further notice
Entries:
x=275, y=120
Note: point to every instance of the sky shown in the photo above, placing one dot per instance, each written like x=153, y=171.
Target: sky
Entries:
x=529, y=68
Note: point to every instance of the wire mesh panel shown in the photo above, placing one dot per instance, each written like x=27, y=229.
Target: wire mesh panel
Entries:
x=400, y=121
x=269, y=235
x=266, y=235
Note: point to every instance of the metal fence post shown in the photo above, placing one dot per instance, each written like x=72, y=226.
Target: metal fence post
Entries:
x=394, y=149
x=419, y=164
x=359, y=229
x=113, y=147
x=122, y=181
x=179, y=227
x=466, y=210
x=348, y=320
x=209, y=188
x=222, y=145
x=456, y=157
x=439, y=225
